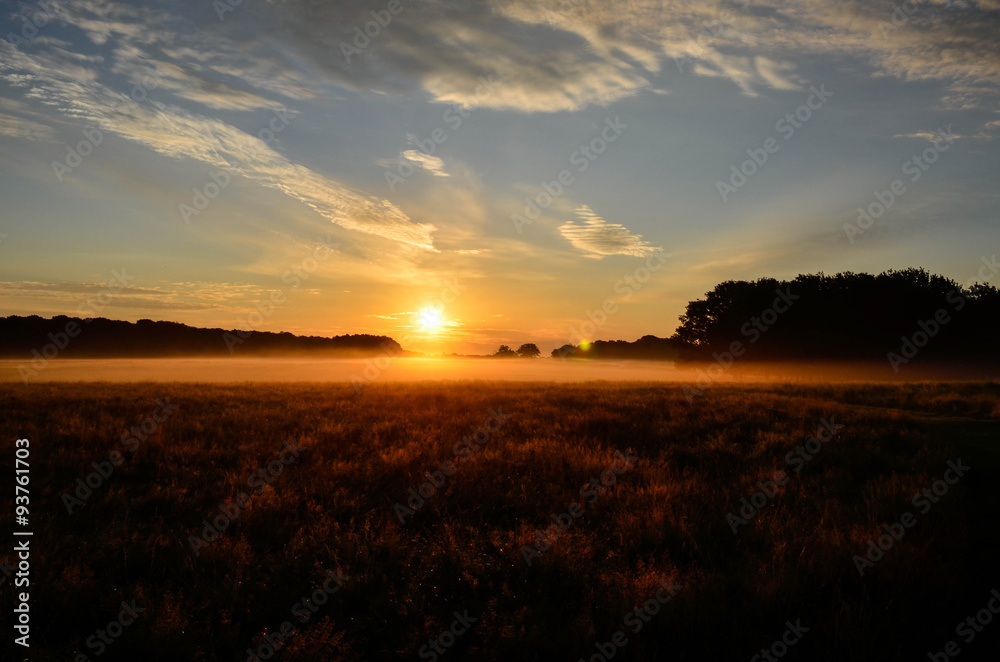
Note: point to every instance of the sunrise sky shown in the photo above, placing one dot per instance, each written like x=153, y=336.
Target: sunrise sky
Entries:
x=411, y=153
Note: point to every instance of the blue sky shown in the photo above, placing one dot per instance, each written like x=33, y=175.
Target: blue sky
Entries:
x=293, y=122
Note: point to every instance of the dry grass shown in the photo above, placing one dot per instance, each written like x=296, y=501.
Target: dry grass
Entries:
x=462, y=550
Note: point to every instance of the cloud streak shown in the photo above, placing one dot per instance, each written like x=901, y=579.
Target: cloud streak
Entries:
x=556, y=55
x=48, y=77
x=431, y=164
x=17, y=127
x=598, y=238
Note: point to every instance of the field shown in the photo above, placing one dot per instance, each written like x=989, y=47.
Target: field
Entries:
x=471, y=568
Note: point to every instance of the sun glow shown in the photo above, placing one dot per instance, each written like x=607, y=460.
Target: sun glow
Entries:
x=431, y=320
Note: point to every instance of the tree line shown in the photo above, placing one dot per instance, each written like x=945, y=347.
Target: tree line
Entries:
x=844, y=316
x=849, y=316
x=100, y=337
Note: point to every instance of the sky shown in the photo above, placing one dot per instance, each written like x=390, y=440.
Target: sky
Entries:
x=459, y=175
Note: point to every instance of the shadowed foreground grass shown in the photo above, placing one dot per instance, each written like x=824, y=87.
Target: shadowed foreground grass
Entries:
x=463, y=550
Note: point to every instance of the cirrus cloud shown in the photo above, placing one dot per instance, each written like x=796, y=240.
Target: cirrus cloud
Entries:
x=598, y=238
x=431, y=164
x=80, y=94
x=559, y=55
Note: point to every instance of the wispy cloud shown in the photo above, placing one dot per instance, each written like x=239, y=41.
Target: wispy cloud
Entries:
x=429, y=163
x=936, y=136
x=178, y=133
x=778, y=75
x=186, y=83
x=598, y=238
x=17, y=127
x=165, y=296
x=555, y=55
x=929, y=136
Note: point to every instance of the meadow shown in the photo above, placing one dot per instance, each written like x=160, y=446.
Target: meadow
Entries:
x=507, y=521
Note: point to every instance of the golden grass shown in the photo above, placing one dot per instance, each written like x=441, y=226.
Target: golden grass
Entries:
x=462, y=550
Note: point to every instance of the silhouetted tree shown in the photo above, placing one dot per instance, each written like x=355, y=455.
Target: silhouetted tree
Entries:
x=505, y=352
x=847, y=315
x=100, y=337
x=564, y=352
x=528, y=351
x=645, y=348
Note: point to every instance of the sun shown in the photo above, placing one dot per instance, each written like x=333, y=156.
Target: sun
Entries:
x=430, y=319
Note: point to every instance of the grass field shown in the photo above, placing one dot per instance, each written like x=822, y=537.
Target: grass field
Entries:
x=329, y=503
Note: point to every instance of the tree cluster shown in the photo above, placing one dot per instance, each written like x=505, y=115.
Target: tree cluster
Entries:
x=844, y=316
x=526, y=351
x=647, y=348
